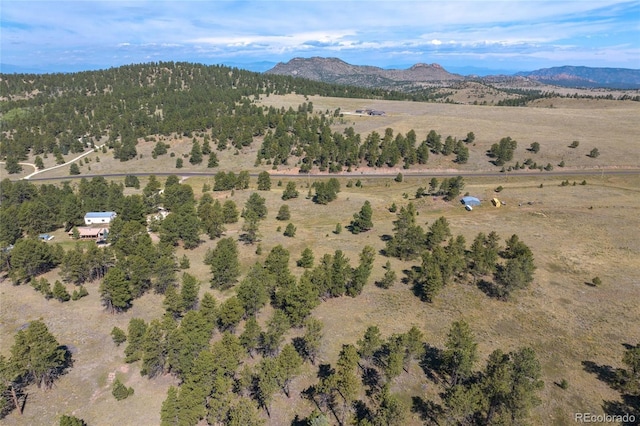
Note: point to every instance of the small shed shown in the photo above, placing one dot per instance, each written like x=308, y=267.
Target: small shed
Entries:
x=470, y=201
x=92, y=218
x=496, y=202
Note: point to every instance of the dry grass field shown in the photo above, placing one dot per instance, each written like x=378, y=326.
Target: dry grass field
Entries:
x=575, y=233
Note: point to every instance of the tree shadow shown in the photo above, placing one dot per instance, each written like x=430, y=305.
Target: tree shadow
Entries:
x=628, y=409
x=386, y=237
x=429, y=411
x=371, y=379
x=362, y=412
x=431, y=363
x=300, y=347
x=605, y=373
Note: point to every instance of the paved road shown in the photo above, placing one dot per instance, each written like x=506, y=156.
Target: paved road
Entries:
x=421, y=173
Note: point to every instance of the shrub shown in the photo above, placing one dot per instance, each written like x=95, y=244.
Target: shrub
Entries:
x=564, y=384
x=118, y=336
x=120, y=391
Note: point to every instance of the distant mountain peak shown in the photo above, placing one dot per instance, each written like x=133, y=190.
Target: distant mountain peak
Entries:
x=334, y=70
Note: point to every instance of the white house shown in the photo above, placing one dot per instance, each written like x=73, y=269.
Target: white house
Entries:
x=93, y=218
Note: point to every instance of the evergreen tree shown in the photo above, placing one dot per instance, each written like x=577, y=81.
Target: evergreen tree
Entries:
x=118, y=336
x=370, y=343
x=273, y=336
x=290, y=230
x=256, y=204
x=264, y=181
x=169, y=413
x=461, y=352
x=223, y=260
x=284, y=213
x=37, y=357
x=213, y=160
x=60, y=292
x=153, y=349
x=244, y=413
x=189, y=292
x=362, y=221
x=196, y=153
x=120, y=391
x=115, y=292
x=66, y=420
x=306, y=259
x=250, y=337
x=230, y=212
x=230, y=314
x=312, y=338
x=289, y=363
x=250, y=228
x=253, y=291
x=389, y=277
x=290, y=191
x=136, y=332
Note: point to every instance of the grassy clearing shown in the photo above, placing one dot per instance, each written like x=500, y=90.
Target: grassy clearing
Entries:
x=575, y=232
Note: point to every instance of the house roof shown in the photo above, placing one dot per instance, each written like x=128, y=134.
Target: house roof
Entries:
x=85, y=232
x=97, y=215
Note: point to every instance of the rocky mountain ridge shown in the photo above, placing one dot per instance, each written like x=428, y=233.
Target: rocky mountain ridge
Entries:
x=334, y=70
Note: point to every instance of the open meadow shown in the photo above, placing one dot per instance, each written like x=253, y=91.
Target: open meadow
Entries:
x=576, y=232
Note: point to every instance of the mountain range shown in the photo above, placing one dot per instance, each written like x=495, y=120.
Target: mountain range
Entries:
x=334, y=70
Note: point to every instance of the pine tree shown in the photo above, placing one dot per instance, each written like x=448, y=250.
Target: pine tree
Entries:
x=66, y=420
x=230, y=314
x=153, y=350
x=461, y=352
x=312, y=338
x=169, y=413
x=290, y=230
x=225, y=267
x=250, y=337
x=118, y=336
x=196, y=153
x=136, y=332
x=189, y=292
x=306, y=259
x=290, y=191
x=120, y=391
x=264, y=181
x=284, y=213
x=230, y=212
x=289, y=363
x=38, y=356
x=115, y=291
x=60, y=292
x=362, y=221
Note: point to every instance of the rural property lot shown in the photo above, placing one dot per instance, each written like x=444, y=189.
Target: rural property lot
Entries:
x=575, y=232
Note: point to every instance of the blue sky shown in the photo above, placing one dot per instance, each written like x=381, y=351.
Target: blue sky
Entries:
x=52, y=36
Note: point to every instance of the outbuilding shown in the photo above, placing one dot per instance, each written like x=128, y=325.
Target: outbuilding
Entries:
x=470, y=201
x=101, y=218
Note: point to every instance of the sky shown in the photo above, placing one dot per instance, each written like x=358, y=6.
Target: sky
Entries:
x=507, y=35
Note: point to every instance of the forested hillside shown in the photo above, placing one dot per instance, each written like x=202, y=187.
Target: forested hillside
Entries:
x=61, y=113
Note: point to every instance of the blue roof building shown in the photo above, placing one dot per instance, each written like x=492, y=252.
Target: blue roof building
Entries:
x=92, y=218
x=470, y=201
